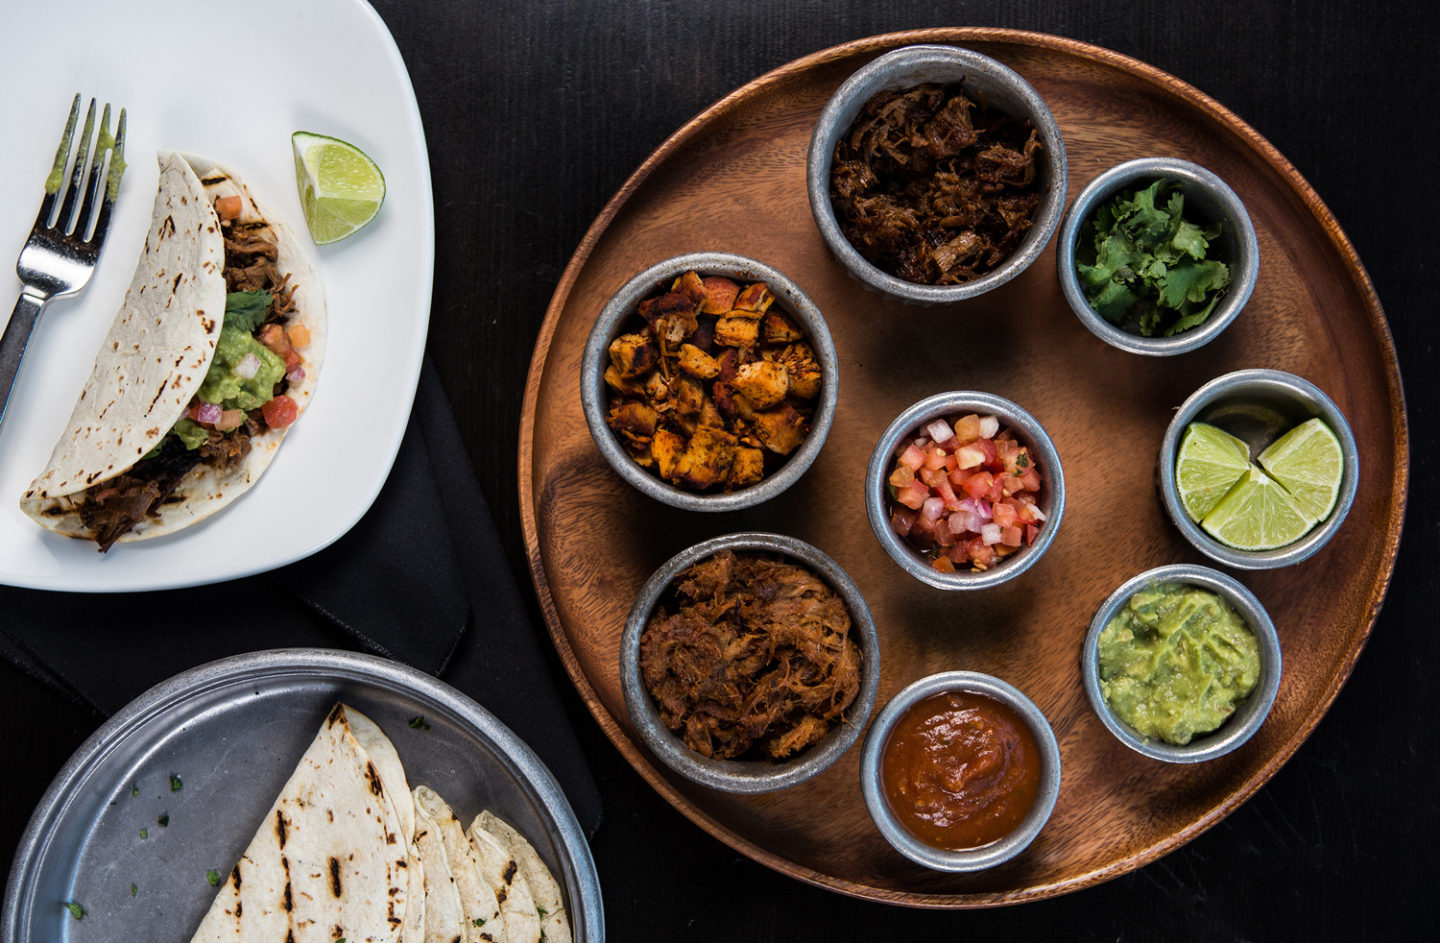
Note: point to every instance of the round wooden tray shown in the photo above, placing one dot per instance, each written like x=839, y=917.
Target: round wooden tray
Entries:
x=733, y=179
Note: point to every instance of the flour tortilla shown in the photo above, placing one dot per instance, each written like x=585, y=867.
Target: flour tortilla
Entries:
x=444, y=915
x=483, y=912
x=500, y=867
x=158, y=350
x=549, y=904
x=329, y=859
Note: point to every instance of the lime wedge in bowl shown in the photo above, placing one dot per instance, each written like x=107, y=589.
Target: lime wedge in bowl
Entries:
x=1208, y=464
x=1257, y=514
x=341, y=188
x=1307, y=460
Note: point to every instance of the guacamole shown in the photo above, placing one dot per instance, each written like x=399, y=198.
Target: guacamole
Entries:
x=224, y=386
x=1176, y=661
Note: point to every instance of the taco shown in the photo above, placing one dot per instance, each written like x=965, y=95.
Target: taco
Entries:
x=213, y=355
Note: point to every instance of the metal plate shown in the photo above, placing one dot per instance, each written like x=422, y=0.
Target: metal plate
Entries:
x=232, y=731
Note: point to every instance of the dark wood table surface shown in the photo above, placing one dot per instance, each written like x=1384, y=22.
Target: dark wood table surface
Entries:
x=536, y=111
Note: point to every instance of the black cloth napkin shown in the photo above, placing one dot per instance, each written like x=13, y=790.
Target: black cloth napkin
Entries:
x=421, y=579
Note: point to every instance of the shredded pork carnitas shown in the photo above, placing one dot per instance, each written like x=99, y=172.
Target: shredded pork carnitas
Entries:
x=752, y=656
x=931, y=187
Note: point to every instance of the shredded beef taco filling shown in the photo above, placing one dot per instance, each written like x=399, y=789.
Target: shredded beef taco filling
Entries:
x=112, y=508
x=934, y=188
x=751, y=657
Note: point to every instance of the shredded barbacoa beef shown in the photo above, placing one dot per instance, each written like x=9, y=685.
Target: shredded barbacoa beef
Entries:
x=111, y=509
x=752, y=655
x=933, y=188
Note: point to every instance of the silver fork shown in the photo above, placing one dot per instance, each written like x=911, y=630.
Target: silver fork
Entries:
x=63, y=247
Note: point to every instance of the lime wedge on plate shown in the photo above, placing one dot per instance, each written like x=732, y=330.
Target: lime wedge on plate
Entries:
x=1257, y=514
x=1307, y=460
x=1209, y=462
x=341, y=188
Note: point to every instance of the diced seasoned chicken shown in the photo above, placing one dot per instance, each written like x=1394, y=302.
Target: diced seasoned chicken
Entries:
x=737, y=332
x=776, y=328
x=634, y=417
x=728, y=401
x=720, y=295
x=713, y=380
x=627, y=386
x=633, y=355
x=803, y=370
x=710, y=415
x=689, y=396
x=666, y=448
x=697, y=363
x=707, y=458
x=691, y=286
x=782, y=429
x=657, y=390
x=755, y=297
x=747, y=467
x=671, y=316
x=763, y=383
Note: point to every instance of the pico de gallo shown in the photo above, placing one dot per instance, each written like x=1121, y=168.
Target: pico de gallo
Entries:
x=965, y=493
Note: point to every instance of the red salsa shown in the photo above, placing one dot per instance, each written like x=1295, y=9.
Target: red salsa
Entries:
x=960, y=770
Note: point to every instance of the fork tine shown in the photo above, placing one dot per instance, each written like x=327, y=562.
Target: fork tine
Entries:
x=112, y=182
x=66, y=219
x=103, y=145
x=57, y=170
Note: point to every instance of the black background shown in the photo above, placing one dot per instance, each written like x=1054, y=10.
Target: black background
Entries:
x=536, y=111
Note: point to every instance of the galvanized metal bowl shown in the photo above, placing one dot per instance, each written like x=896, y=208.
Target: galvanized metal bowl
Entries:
x=1027, y=431
x=1258, y=406
x=984, y=79
x=749, y=776
x=873, y=786
x=1207, y=198
x=611, y=323
x=1250, y=714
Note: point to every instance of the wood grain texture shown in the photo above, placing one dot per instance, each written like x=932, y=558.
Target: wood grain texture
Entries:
x=733, y=180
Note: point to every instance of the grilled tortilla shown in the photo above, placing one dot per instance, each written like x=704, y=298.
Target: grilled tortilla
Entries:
x=549, y=904
x=331, y=858
x=156, y=356
x=512, y=889
x=444, y=915
x=482, y=912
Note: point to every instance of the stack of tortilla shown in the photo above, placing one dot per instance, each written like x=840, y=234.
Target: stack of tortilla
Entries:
x=348, y=851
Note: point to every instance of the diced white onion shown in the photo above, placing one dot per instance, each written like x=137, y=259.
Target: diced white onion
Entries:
x=990, y=534
x=980, y=509
x=248, y=366
x=989, y=425
x=940, y=431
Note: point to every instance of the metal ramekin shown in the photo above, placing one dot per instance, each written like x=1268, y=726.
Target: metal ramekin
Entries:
x=1248, y=717
x=749, y=776
x=1027, y=431
x=621, y=308
x=970, y=859
x=983, y=78
x=1258, y=406
x=1208, y=198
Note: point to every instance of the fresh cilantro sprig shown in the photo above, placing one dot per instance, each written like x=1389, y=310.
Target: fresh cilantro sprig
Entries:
x=1143, y=266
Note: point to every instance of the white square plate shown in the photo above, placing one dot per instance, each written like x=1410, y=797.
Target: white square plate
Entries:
x=230, y=82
